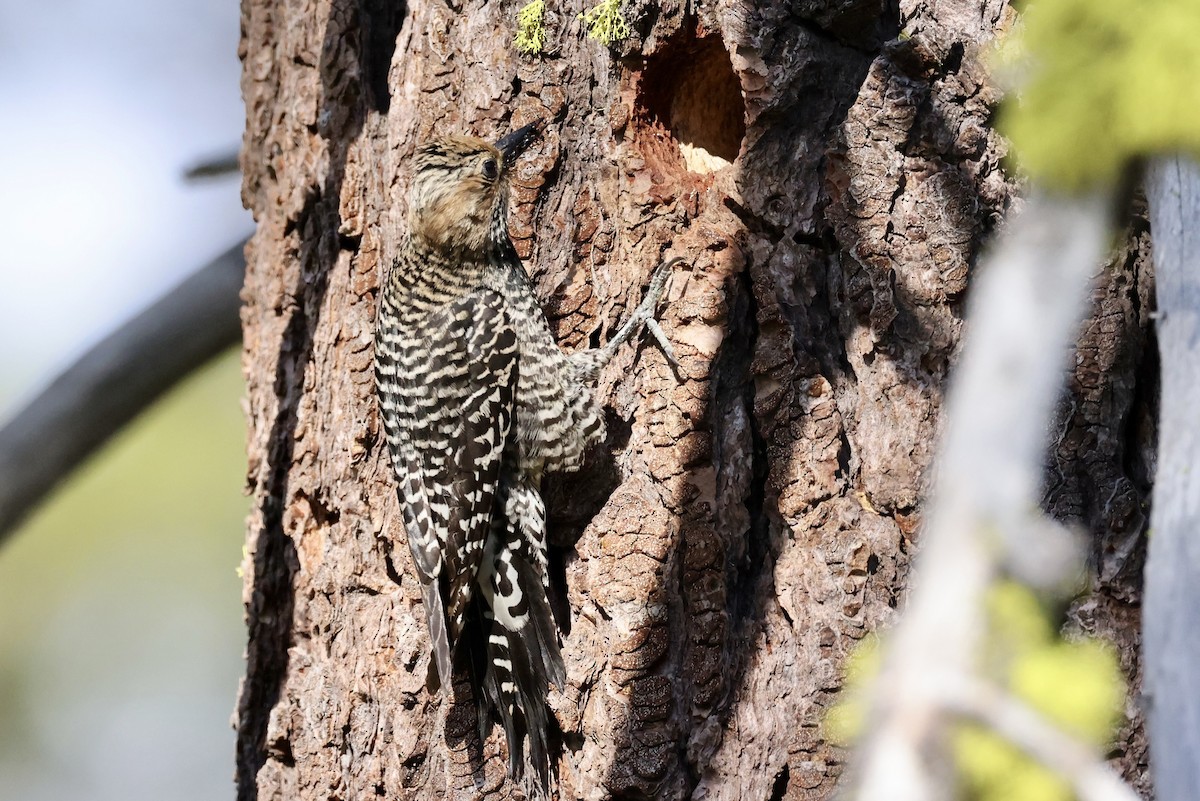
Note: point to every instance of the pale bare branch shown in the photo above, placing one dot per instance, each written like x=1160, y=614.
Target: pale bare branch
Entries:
x=1026, y=306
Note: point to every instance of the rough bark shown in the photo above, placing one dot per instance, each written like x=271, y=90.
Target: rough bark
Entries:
x=748, y=520
x=1102, y=464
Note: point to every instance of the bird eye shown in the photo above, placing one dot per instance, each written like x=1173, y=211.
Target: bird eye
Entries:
x=490, y=170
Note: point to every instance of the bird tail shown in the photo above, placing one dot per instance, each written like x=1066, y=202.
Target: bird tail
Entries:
x=523, y=655
x=439, y=641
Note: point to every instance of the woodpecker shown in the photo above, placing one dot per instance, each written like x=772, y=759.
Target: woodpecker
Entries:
x=478, y=401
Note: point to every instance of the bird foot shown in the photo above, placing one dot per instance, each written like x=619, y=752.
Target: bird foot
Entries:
x=661, y=338
x=643, y=317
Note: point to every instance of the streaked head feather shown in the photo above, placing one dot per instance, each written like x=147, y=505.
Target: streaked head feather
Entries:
x=459, y=194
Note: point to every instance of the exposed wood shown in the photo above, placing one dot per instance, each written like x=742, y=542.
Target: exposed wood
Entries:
x=1172, y=602
x=114, y=381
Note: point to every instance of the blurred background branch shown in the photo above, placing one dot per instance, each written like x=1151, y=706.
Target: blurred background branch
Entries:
x=216, y=166
x=114, y=381
x=982, y=518
x=120, y=607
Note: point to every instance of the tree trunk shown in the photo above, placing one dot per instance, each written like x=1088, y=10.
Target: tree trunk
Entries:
x=829, y=181
x=1173, y=569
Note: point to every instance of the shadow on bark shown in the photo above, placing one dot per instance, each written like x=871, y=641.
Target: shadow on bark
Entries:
x=909, y=241
x=369, y=31
x=688, y=674
x=943, y=204
x=1100, y=470
x=1101, y=465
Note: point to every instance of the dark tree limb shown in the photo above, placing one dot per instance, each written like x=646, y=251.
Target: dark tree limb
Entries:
x=116, y=380
x=215, y=166
x=1171, y=611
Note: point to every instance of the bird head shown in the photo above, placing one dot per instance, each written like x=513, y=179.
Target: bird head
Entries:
x=459, y=201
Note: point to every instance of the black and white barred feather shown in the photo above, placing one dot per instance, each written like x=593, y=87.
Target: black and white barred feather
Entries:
x=478, y=401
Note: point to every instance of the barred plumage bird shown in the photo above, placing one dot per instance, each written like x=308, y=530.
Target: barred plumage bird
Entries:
x=478, y=401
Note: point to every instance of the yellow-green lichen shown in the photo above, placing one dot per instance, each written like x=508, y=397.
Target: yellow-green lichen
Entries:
x=844, y=721
x=1076, y=684
x=992, y=769
x=1103, y=82
x=605, y=23
x=531, y=28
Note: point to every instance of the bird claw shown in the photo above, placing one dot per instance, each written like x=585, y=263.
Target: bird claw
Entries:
x=658, y=283
x=654, y=293
x=643, y=316
x=661, y=338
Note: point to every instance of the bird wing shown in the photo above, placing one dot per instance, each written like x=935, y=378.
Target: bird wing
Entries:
x=453, y=423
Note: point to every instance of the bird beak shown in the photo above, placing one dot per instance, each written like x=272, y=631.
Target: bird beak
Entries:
x=519, y=140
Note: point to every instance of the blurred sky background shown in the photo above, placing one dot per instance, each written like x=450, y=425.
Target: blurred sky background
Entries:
x=120, y=610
